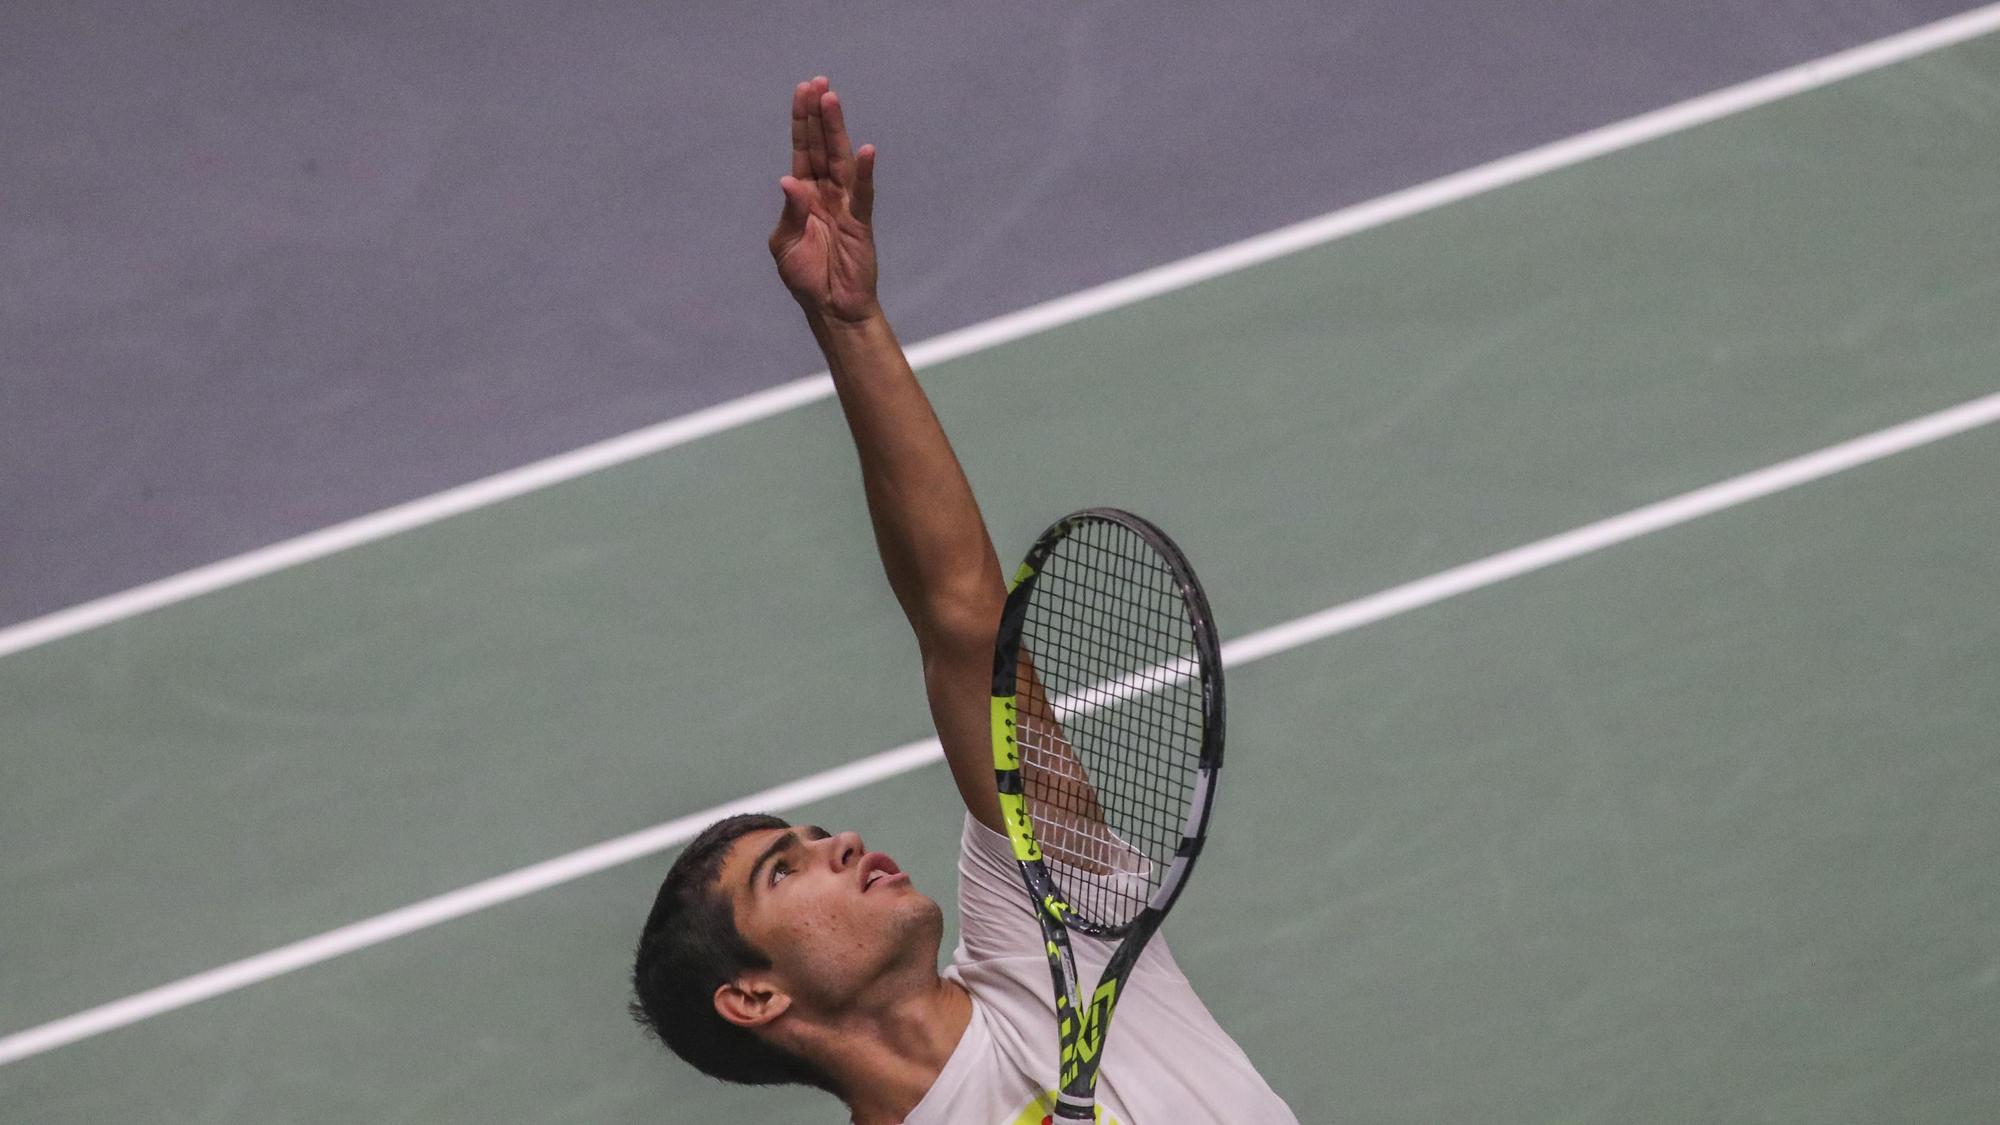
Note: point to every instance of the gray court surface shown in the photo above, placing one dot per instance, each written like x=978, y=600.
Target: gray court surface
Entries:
x=1699, y=827
x=264, y=267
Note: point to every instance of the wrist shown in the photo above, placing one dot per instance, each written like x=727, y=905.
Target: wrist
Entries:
x=859, y=322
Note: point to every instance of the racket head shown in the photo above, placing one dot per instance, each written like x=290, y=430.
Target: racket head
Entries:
x=1108, y=719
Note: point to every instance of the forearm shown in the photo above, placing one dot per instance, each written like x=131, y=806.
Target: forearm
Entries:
x=933, y=542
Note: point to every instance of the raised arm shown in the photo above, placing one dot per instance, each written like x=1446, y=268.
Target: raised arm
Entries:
x=933, y=542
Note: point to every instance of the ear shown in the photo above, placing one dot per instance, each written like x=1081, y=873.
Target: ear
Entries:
x=751, y=1000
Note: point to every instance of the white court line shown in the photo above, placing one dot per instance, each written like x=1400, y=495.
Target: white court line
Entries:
x=1013, y=326
x=889, y=763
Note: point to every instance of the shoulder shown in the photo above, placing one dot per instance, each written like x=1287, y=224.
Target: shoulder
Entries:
x=997, y=921
x=991, y=1071
x=995, y=918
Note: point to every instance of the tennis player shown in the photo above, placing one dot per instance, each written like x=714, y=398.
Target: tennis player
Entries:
x=779, y=954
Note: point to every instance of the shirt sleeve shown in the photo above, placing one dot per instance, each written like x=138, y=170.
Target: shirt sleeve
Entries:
x=996, y=919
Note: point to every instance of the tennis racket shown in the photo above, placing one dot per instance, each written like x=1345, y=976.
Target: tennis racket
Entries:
x=1107, y=738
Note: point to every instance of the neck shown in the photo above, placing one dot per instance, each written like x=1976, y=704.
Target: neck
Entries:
x=885, y=1056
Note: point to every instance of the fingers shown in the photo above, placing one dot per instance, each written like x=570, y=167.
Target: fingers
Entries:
x=801, y=163
x=839, y=152
x=816, y=128
x=822, y=150
x=864, y=184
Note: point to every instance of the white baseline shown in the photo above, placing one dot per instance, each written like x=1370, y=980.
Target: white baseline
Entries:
x=889, y=763
x=1013, y=326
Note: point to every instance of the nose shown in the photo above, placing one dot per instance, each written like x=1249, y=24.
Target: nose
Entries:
x=845, y=850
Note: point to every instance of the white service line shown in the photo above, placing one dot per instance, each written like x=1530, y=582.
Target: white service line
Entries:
x=889, y=763
x=1615, y=530
x=453, y=904
x=1013, y=326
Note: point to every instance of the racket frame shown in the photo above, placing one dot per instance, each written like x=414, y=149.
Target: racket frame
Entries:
x=1082, y=1027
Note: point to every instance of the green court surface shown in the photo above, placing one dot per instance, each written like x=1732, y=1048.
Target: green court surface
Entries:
x=1698, y=828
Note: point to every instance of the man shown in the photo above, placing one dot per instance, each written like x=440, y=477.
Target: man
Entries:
x=777, y=954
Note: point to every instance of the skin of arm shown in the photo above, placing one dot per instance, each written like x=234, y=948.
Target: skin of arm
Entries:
x=928, y=529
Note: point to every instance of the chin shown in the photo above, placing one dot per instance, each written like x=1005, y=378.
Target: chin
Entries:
x=919, y=925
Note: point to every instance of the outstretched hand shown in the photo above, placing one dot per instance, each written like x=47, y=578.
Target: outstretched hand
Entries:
x=824, y=245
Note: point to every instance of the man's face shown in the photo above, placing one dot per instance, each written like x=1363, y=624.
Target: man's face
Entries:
x=834, y=917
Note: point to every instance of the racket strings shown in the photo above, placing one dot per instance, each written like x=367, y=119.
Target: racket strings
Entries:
x=1111, y=744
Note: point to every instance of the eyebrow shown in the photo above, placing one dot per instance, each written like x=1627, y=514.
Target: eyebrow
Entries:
x=780, y=846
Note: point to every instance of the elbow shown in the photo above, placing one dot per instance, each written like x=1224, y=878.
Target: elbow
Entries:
x=965, y=624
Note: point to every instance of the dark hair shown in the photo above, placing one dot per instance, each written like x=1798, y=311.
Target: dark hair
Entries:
x=689, y=948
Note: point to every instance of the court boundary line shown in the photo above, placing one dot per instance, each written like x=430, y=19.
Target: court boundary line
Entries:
x=1035, y=319
x=1270, y=641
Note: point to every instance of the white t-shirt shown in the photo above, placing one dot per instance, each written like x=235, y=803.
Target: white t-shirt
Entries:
x=1166, y=1062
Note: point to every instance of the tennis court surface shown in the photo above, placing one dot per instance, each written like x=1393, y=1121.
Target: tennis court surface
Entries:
x=1699, y=826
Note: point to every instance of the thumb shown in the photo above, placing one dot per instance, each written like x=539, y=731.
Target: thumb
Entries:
x=792, y=222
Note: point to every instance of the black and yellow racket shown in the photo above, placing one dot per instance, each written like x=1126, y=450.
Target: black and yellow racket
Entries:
x=1107, y=739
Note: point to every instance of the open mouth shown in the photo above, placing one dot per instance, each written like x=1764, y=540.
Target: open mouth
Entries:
x=878, y=870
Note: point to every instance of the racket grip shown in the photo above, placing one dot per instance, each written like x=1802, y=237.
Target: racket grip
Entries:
x=1069, y=1110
